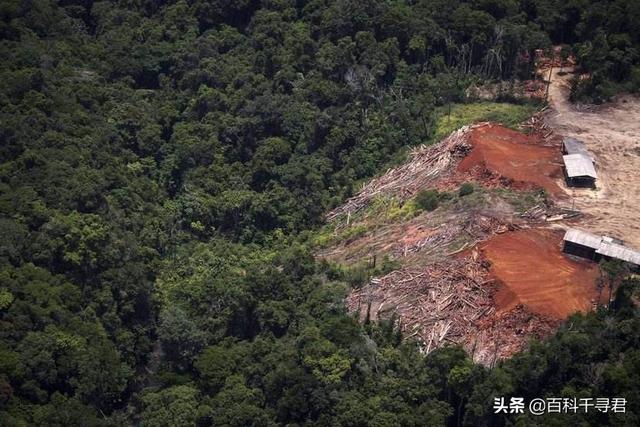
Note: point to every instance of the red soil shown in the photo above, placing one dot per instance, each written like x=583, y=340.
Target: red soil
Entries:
x=532, y=270
x=517, y=157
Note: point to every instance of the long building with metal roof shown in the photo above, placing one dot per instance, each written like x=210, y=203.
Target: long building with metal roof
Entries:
x=614, y=250
x=579, y=170
x=583, y=238
x=575, y=146
x=594, y=247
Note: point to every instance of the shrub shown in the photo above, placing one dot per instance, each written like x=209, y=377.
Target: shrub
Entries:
x=428, y=199
x=465, y=189
x=387, y=266
x=357, y=275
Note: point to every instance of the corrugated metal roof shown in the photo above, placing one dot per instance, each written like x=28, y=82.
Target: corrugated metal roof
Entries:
x=624, y=253
x=583, y=238
x=579, y=165
x=603, y=245
x=574, y=146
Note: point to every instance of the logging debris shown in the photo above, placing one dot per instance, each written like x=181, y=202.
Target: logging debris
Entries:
x=427, y=164
x=451, y=302
x=437, y=303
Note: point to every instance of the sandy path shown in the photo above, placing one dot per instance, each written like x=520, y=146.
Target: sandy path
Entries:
x=612, y=134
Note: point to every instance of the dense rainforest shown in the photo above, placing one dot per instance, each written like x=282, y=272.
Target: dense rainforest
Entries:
x=164, y=164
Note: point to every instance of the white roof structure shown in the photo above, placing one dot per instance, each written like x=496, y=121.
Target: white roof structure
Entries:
x=583, y=238
x=574, y=146
x=579, y=165
x=617, y=251
x=603, y=245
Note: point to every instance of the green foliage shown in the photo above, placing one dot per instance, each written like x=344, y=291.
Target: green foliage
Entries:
x=522, y=200
x=6, y=298
x=465, y=189
x=380, y=211
x=358, y=275
x=591, y=355
x=162, y=165
x=606, y=49
x=218, y=362
x=428, y=199
x=238, y=405
x=174, y=406
x=614, y=272
x=180, y=337
x=509, y=115
x=330, y=369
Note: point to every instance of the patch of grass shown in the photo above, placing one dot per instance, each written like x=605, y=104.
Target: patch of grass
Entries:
x=521, y=200
x=354, y=232
x=474, y=200
x=389, y=209
x=327, y=235
x=386, y=210
x=509, y=115
x=357, y=275
x=382, y=210
x=429, y=199
x=324, y=237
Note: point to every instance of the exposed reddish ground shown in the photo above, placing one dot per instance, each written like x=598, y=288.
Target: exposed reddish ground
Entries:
x=532, y=270
x=515, y=156
x=465, y=278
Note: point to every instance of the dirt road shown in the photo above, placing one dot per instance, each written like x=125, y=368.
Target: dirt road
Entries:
x=612, y=134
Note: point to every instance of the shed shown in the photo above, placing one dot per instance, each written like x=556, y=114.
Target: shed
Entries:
x=579, y=170
x=614, y=250
x=582, y=244
x=575, y=146
x=591, y=246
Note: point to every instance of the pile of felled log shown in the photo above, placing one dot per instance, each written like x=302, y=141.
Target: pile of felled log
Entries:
x=537, y=125
x=503, y=334
x=550, y=212
x=427, y=164
x=436, y=304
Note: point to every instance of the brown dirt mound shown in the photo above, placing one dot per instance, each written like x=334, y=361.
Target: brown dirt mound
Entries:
x=520, y=158
x=532, y=271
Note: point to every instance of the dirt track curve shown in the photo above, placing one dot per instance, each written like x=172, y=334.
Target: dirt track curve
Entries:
x=612, y=134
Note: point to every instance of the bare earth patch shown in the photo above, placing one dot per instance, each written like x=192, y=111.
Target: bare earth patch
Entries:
x=451, y=302
x=520, y=158
x=531, y=270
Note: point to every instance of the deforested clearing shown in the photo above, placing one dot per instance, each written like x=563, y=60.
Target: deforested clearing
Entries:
x=485, y=270
x=531, y=270
x=526, y=160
